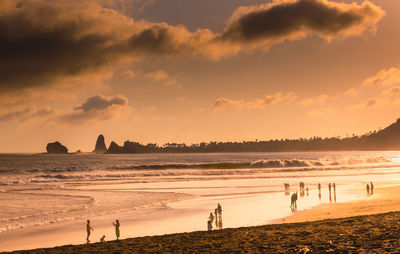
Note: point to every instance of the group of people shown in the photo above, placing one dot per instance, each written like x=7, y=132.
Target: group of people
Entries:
x=217, y=217
x=370, y=189
x=305, y=191
x=89, y=229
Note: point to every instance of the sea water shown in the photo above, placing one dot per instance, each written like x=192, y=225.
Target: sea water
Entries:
x=166, y=193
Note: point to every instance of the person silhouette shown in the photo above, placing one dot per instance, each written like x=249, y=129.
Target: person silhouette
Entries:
x=211, y=218
x=216, y=217
x=319, y=191
x=219, y=209
x=103, y=239
x=367, y=187
x=116, y=225
x=372, y=188
x=88, y=230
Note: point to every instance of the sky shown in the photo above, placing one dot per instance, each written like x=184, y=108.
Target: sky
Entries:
x=188, y=71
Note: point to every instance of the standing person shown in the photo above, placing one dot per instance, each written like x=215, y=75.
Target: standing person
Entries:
x=116, y=225
x=334, y=187
x=367, y=186
x=216, y=217
x=329, y=186
x=88, y=230
x=219, y=209
x=372, y=188
x=319, y=191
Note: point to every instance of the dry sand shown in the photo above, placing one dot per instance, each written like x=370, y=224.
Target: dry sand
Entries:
x=367, y=233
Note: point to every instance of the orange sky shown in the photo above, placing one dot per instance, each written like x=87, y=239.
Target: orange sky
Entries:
x=191, y=71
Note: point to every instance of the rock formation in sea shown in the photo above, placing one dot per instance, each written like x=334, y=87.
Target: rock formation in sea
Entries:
x=56, y=148
x=115, y=148
x=100, y=145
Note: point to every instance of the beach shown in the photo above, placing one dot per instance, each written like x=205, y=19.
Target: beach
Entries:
x=50, y=207
x=368, y=225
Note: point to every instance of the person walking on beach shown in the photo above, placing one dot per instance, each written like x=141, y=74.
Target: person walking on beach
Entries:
x=88, y=230
x=334, y=187
x=329, y=186
x=372, y=188
x=116, y=225
x=367, y=186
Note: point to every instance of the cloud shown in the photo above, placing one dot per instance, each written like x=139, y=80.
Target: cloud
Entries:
x=161, y=76
x=127, y=75
x=101, y=102
x=294, y=19
x=225, y=104
x=43, y=42
x=368, y=104
x=314, y=100
x=26, y=114
x=95, y=109
x=273, y=99
x=155, y=76
x=384, y=78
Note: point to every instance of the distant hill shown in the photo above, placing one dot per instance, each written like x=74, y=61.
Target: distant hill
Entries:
x=386, y=139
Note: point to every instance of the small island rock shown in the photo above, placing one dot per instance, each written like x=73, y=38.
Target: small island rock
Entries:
x=100, y=145
x=56, y=148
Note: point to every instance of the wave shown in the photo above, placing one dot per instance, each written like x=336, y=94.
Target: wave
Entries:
x=276, y=163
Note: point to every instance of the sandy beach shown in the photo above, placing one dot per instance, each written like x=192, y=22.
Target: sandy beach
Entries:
x=365, y=225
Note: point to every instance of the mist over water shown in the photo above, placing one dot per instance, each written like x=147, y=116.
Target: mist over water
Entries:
x=41, y=189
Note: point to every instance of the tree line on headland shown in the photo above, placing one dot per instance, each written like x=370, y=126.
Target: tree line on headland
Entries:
x=386, y=139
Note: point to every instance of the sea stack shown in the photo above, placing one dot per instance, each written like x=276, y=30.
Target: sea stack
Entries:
x=115, y=148
x=56, y=148
x=100, y=145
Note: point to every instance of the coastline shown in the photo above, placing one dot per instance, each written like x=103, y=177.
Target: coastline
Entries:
x=368, y=233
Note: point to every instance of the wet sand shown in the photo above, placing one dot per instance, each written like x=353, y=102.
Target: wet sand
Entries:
x=378, y=232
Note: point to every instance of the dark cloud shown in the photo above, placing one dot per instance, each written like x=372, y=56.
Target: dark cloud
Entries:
x=96, y=108
x=287, y=19
x=100, y=102
x=43, y=42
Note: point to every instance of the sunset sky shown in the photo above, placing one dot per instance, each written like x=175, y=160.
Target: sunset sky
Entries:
x=190, y=71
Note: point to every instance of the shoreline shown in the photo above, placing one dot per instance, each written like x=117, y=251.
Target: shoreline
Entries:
x=384, y=200
x=366, y=233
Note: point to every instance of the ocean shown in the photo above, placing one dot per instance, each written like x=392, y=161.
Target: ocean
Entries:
x=166, y=193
